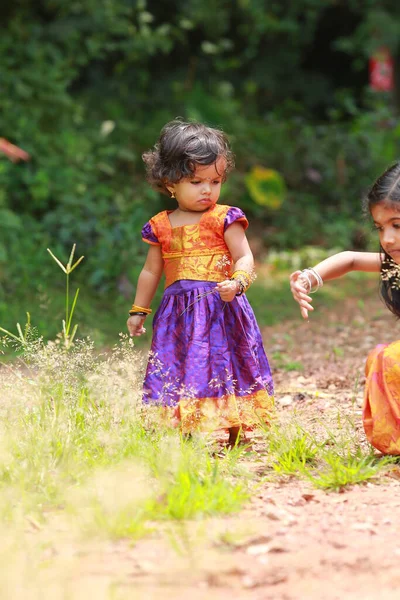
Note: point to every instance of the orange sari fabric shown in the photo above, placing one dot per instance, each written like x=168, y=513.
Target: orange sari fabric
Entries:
x=381, y=413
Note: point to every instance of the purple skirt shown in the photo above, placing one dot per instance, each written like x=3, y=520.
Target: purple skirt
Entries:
x=207, y=362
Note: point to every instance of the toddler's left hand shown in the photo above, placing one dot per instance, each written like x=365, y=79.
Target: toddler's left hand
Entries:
x=228, y=289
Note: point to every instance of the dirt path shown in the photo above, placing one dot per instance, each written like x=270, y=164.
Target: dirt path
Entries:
x=291, y=542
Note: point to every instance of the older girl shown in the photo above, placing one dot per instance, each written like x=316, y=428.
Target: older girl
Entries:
x=381, y=410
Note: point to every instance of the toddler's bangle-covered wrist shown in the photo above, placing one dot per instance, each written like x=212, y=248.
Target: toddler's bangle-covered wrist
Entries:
x=139, y=310
x=244, y=279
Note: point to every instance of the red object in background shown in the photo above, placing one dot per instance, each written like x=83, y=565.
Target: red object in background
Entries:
x=12, y=152
x=381, y=77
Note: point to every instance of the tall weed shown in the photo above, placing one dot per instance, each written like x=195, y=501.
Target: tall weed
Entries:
x=72, y=416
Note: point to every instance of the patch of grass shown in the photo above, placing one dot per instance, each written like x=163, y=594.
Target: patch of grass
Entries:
x=292, y=449
x=282, y=361
x=331, y=461
x=199, y=486
x=338, y=472
x=337, y=352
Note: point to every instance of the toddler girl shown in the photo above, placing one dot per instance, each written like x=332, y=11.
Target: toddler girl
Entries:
x=207, y=363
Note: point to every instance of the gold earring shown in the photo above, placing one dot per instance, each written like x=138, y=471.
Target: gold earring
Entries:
x=172, y=194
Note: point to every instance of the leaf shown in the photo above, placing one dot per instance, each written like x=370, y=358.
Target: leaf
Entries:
x=266, y=187
x=57, y=261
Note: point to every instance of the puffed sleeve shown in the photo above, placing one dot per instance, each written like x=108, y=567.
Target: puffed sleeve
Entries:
x=149, y=236
x=234, y=215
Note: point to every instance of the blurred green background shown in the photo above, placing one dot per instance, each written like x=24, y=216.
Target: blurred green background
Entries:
x=86, y=86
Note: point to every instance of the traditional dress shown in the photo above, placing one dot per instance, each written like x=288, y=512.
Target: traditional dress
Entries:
x=207, y=363
x=381, y=413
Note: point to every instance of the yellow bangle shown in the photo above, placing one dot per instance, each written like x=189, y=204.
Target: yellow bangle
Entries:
x=243, y=278
x=241, y=272
x=136, y=308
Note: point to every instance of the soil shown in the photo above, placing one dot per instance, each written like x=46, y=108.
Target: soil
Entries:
x=291, y=541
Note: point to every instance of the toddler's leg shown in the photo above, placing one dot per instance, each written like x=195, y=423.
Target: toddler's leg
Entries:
x=234, y=433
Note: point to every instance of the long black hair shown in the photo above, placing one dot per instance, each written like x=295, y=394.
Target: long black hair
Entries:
x=180, y=148
x=387, y=189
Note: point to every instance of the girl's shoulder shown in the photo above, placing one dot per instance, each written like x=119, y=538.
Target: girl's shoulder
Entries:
x=156, y=229
x=161, y=216
x=224, y=208
x=234, y=214
x=220, y=218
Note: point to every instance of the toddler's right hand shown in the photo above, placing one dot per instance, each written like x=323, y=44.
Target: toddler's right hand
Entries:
x=299, y=288
x=135, y=325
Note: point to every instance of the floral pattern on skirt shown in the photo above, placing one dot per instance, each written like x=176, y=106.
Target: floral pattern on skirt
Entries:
x=207, y=364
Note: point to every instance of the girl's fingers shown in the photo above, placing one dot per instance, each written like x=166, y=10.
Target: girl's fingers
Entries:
x=139, y=332
x=226, y=286
x=298, y=286
x=303, y=293
x=305, y=308
x=304, y=298
x=304, y=301
x=294, y=277
x=306, y=305
x=135, y=332
x=226, y=297
x=304, y=312
x=299, y=289
x=135, y=326
x=298, y=282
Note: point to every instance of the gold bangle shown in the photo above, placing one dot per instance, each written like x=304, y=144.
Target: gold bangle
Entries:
x=136, y=308
x=243, y=278
x=242, y=273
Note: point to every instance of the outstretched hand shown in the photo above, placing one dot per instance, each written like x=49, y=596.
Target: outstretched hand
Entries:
x=135, y=326
x=299, y=288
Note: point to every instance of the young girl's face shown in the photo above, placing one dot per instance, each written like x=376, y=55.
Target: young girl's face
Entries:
x=386, y=216
x=200, y=191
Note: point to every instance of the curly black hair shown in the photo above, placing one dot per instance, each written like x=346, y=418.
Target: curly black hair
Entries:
x=180, y=148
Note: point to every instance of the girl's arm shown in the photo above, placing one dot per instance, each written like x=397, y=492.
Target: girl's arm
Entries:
x=242, y=256
x=147, y=284
x=331, y=268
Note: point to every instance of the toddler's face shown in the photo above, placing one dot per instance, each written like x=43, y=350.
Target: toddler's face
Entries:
x=201, y=191
x=386, y=216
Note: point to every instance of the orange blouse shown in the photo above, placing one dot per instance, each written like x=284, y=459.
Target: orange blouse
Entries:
x=197, y=251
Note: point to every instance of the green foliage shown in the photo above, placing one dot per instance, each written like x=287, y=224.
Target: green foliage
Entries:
x=332, y=461
x=86, y=87
x=77, y=439
x=339, y=471
x=197, y=486
x=293, y=454
x=282, y=361
x=68, y=334
x=266, y=187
